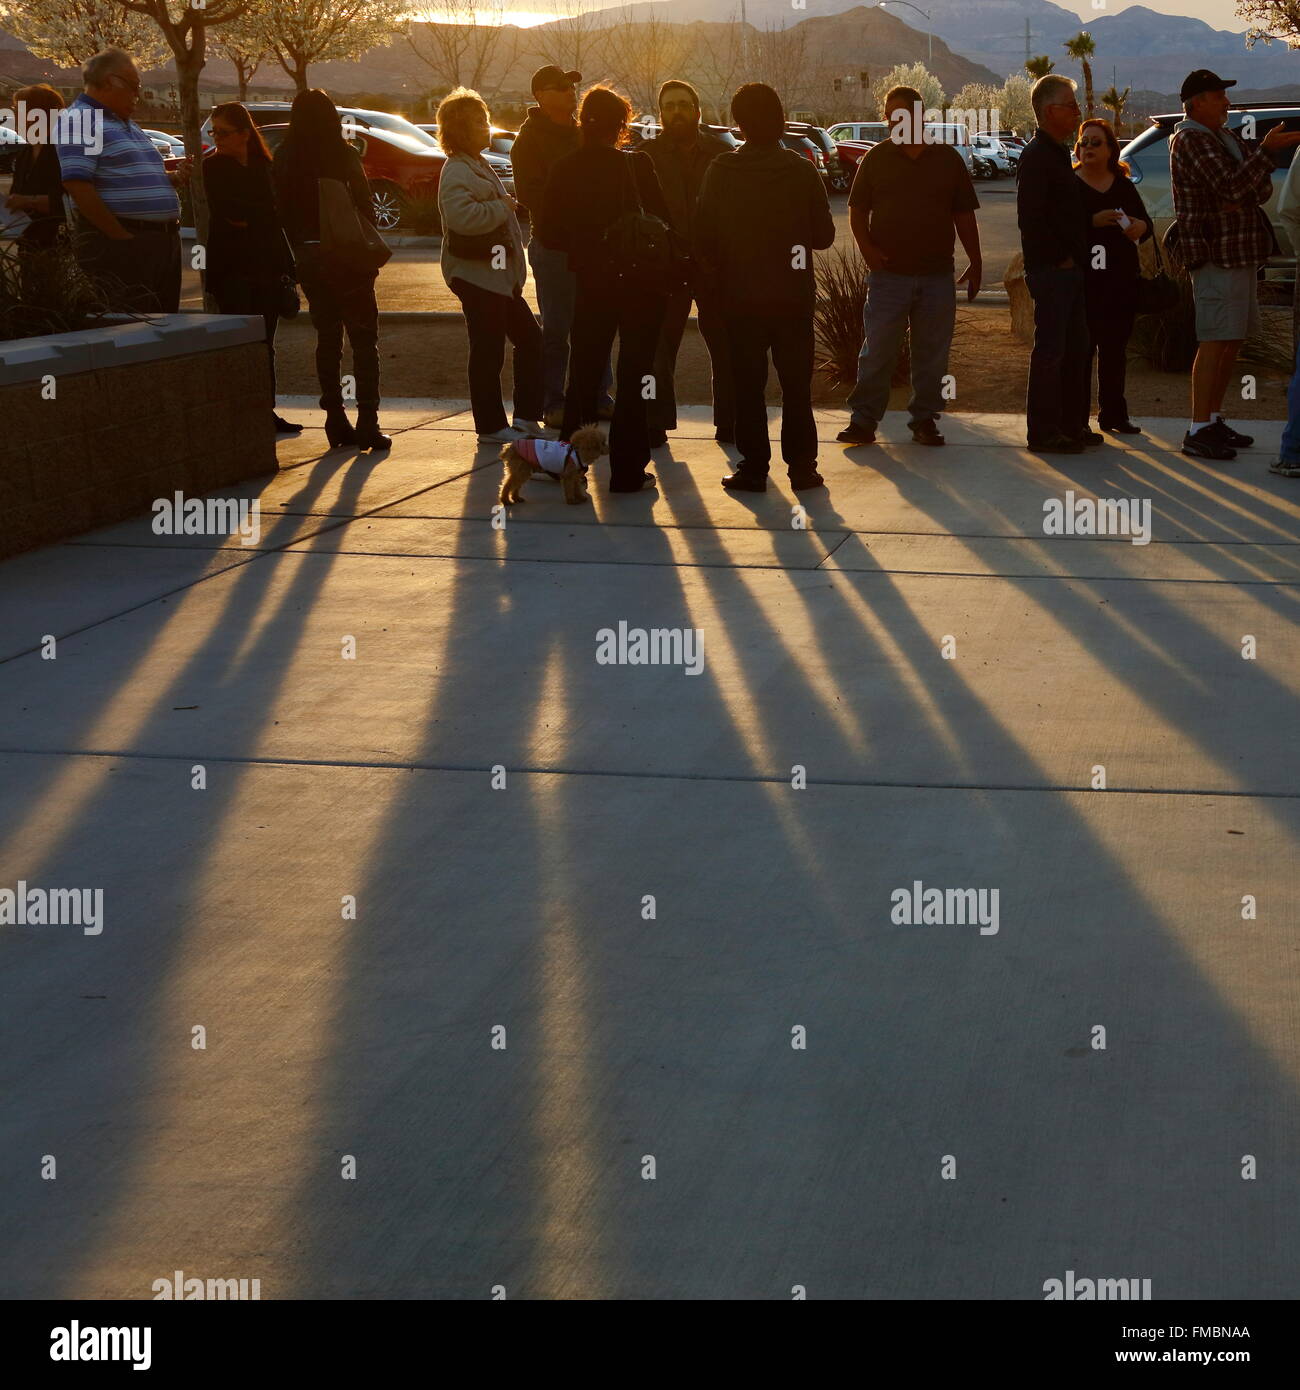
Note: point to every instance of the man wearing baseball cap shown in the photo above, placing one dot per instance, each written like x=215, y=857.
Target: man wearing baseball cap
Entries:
x=548, y=133
x=1219, y=183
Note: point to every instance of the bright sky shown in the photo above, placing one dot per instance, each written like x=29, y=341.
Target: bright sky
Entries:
x=1222, y=14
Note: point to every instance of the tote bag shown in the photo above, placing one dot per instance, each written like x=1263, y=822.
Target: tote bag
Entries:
x=349, y=243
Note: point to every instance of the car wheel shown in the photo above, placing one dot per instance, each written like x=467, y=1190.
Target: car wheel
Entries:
x=841, y=178
x=390, y=206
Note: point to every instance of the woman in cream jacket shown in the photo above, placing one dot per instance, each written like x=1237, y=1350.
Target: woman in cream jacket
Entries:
x=483, y=263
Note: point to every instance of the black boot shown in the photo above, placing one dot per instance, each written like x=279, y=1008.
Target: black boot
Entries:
x=368, y=435
x=338, y=428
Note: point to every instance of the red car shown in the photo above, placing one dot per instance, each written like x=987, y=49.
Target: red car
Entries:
x=851, y=151
x=400, y=169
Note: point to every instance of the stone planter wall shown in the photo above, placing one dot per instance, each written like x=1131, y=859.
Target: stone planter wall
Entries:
x=139, y=411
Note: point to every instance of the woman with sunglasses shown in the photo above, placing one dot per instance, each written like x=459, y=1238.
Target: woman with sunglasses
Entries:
x=248, y=257
x=1117, y=221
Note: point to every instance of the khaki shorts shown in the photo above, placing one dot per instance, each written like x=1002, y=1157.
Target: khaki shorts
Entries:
x=1227, y=303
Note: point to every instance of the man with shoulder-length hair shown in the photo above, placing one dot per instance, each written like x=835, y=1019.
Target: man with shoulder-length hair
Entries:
x=1053, y=236
x=681, y=152
x=126, y=223
x=1219, y=184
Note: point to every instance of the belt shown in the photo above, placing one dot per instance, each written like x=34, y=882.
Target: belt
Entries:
x=141, y=224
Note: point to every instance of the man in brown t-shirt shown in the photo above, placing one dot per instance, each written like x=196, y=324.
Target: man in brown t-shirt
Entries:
x=911, y=198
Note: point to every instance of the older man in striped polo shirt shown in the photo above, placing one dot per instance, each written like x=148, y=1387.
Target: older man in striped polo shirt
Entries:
x=126, y=225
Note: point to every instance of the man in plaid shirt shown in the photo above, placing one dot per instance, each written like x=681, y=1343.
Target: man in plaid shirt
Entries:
x=1219, y=184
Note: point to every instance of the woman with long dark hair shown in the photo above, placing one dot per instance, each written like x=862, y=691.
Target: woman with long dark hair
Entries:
x=1117, y=221
x=248, y=258
x=586, y=194
x=339, y=301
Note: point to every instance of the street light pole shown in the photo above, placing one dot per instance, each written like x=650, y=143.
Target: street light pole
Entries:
x=929, y=33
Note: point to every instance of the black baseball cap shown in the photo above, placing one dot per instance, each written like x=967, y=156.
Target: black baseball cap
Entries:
x=552, y=79
x=1203, y=80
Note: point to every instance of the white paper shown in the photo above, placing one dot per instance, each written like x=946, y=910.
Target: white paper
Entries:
x=13, y=223
x=1125, y=221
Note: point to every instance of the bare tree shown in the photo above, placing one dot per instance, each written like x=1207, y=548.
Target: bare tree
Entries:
x=640, y=56
x=301, y=32
x=572, y=39
x=717, y=59
x=464, y=44
x=779, y=57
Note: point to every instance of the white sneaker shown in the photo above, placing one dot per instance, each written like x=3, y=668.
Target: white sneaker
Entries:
x=531, y=427
x=503, y=436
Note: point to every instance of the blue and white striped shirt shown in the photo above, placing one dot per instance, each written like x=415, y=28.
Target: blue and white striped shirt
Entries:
x=127, y=173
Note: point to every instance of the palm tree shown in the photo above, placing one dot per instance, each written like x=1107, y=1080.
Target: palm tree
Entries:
x=1039, y=67
x=1082, y=48
x=1115, y=102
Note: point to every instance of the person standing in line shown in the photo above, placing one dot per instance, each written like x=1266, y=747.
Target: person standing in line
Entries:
x=1117, y=220
x=910, y=200
x=1049, y=210
x=681, y=152
x=762, y=212
x=36, y=192
x=550, y=132
x=483, y=265
x=339, y=301
x=126, y=225
x=588, y=191
x=1287, y=464
x=1219, y=184
x=248, y=257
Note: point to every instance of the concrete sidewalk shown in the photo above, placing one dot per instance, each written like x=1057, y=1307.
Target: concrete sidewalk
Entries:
x=653, y=907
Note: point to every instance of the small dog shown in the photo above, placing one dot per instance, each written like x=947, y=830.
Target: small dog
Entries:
x=568, y=463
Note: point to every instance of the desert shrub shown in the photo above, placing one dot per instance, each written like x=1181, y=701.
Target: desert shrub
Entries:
x=837, y=318
x=46, y=291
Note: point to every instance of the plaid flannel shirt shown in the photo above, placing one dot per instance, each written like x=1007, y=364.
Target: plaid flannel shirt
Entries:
x=1217, y=200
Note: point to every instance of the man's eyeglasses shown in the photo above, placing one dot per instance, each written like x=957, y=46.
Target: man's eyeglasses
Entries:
x=129, y=86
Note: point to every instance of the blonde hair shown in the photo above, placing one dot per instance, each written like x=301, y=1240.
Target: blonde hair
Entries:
x=455, y=112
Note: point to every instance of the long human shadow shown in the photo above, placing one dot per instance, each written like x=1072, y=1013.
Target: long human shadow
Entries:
x=522, y=1171
x=115, y=1088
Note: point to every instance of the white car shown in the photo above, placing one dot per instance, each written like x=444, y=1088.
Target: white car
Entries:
x=996, y=153
x=169, y=146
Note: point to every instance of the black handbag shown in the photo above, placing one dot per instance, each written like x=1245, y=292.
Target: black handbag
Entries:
x=642, y=250
x=287, y=301
x=1159, y=294
x=477, y=246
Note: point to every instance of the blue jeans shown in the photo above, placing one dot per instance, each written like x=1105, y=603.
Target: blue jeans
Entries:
x=556, y=287
x=1059, y=396
x=928, y=303
x=1291, y=435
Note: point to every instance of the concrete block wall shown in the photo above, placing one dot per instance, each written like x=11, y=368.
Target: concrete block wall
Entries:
x=124, y=432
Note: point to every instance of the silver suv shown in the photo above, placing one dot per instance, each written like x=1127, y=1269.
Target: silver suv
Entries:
x=1147, y=156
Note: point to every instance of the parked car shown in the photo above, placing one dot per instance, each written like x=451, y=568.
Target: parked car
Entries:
x=850, y=152
x=501, y=142
x=838, y=174
x=1147, y=156
x=994, y=156
x=400, y=170
x=169, y=146
x=860, y=132
x=10, y=143
x=266, y=113
x=500, y=163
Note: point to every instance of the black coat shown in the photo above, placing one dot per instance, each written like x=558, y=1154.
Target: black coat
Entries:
x=242, y=194
x=587, y=191
x=759, y=208
x=681, y=172
x=297, y=195
x=36, y=171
